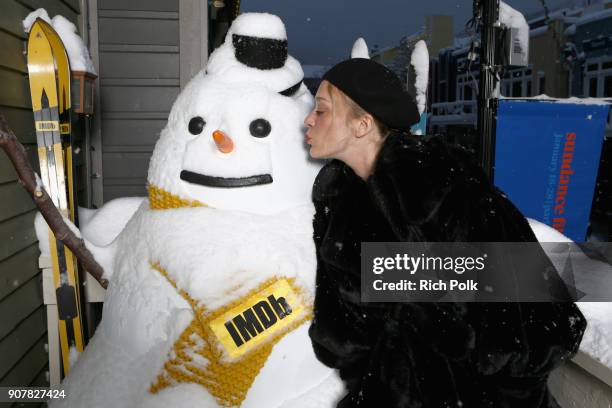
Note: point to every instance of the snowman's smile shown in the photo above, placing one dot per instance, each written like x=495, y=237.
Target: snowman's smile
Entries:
x=225, y=182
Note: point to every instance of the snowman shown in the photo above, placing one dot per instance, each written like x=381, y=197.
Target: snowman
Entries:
x=212, y=279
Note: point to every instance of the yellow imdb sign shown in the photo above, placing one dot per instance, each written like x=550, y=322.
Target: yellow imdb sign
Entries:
x=258, y=319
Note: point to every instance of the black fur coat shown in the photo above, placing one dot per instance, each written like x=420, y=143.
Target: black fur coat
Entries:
x=428, y=355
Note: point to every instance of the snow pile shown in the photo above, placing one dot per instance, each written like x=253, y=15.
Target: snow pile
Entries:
x=31, y=18
x=515, y=19
x=545, y=233
x=99, y=227
x=263, y=25
x=76, y=49
x=420, y=61
x=360, y=49
x=597, y=339
x=571, y=100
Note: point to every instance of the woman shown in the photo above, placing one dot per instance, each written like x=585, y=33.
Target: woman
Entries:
x=386, y=185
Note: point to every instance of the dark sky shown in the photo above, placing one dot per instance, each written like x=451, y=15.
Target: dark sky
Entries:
x=323, y=31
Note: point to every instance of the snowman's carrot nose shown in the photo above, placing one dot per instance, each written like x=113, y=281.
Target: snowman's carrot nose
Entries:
x=224, y=143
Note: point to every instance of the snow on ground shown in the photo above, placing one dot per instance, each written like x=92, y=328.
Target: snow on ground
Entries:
x=597, y=340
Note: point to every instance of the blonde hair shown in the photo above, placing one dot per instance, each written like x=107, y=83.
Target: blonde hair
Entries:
x=356, y=111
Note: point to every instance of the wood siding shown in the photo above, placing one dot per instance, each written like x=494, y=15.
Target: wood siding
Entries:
x=23, y=329
x=139, y=80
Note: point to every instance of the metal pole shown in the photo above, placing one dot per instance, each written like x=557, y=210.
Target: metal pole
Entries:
x=489, y=13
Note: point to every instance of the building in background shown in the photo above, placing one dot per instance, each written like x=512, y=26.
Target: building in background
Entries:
x=454, y=94
x=589, y=54
x=570, y=54
x=437, y=34
x=589, y=61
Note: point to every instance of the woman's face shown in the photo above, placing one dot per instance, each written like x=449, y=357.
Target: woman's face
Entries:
x=329, y=133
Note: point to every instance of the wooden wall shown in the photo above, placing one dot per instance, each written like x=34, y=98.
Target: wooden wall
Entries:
x=23, y=332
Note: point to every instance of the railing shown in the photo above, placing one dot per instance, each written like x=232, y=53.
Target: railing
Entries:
x=458, y=112
x=462, y=112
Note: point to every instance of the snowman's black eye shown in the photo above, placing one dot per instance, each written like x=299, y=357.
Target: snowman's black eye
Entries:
x=196, y=125
x=260, y=128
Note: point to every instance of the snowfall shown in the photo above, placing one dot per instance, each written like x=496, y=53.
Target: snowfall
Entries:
x=222, y=250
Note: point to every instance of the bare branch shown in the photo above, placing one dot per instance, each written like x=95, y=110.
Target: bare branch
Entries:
x=27, y=178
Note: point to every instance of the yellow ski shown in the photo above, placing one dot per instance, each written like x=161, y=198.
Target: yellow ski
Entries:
x=49, y=74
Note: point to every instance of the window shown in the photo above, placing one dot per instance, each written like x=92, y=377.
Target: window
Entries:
x=467, y=92
x=542, y=84
x=607, y=91
x=598, y=81
x=593, y=87
x=592, y=67
x=528, y=88
x=517, y=82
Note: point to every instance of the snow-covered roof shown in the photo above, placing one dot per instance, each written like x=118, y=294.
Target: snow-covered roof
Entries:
x=560, y=14
x=594, y=16
x=573, y=100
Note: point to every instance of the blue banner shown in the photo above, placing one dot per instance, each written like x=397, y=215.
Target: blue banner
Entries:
x=546, y=159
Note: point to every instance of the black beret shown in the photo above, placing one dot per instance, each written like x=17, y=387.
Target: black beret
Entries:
x=377, y=90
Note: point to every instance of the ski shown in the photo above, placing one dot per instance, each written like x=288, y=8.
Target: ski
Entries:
x=49, y=75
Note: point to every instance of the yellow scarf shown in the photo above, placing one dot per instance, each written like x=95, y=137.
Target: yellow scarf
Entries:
x=223, y=350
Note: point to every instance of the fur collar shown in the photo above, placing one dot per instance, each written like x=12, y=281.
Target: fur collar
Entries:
x=411, y=177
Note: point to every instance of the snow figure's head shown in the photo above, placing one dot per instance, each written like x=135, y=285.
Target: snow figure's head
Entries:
x=234, y=140
x=255, y=50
